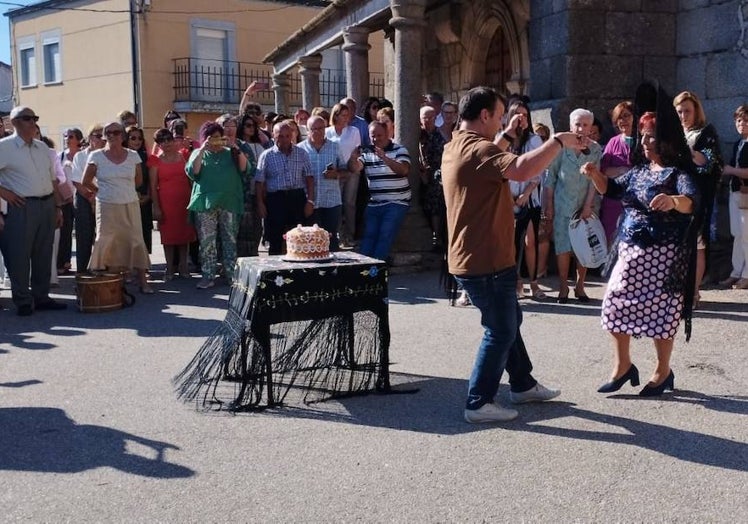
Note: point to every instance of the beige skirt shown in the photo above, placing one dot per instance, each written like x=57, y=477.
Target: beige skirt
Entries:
x=119, y=239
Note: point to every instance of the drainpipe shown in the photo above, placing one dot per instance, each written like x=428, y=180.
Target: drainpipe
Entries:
x=134, y=52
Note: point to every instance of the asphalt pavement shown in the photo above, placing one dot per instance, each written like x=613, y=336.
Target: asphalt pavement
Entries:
x=91, y=430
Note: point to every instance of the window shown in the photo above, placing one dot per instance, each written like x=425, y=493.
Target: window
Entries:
x=27, y=62
x=51, y=57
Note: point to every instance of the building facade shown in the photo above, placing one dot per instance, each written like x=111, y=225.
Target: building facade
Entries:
x=562, y=54
x=83, y=61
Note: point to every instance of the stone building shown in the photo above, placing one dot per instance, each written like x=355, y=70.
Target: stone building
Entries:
x=561, y=53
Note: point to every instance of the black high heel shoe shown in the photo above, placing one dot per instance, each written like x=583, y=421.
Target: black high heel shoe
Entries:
x=614, y=385
x=656, y=391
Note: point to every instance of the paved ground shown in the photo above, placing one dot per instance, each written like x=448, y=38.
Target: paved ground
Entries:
x=90, y=429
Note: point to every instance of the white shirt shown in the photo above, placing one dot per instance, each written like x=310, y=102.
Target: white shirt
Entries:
x=116, y=181
x=26, y=169
x=80, y=161
x=348, y=140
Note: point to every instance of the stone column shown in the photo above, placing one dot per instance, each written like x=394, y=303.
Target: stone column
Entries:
x=408, y=22
x=309, y=70
x=389, y=63
x=281, y=87
x=356, y=47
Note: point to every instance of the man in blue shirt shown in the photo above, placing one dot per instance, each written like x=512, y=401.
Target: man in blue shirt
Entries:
x=285, y=187
x=324, y=156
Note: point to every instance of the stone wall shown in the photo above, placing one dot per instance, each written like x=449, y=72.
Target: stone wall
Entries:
x=594, y=53
x=712, y=48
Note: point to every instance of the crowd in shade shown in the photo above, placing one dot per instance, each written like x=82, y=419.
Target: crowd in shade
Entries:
x=234, y=186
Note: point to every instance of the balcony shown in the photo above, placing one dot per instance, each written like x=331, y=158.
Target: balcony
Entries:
x=202, y=85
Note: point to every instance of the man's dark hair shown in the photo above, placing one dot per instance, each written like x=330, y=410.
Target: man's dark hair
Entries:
x=478, y=99
x=434, y=95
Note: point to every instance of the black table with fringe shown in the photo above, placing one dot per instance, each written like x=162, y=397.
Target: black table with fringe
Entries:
x=319, y=328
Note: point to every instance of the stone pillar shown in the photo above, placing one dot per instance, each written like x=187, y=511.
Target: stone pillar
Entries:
x=408, y=22
x=281, y=87
x=309, y=70
x=356, y=47
x=389, y=63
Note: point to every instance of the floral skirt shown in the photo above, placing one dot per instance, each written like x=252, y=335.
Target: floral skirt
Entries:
x=636, y=302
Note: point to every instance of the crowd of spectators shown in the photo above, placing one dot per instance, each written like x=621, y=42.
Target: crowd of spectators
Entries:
x=251, y=176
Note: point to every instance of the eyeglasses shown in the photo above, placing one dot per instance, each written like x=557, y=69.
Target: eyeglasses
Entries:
x=114, y=132
x=28, y=118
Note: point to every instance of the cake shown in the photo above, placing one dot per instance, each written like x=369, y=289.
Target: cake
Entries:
x=307, y=243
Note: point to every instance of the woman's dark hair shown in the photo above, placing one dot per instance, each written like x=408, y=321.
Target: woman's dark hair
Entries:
x=162, y=134
x=48, y=141
x=142, y=150
x=169, y=116
x=208, y=129
x=476, y=100
x=254, y=135
x=527, y=132
x=77, y=133
x=371, y=101
x=383, y=102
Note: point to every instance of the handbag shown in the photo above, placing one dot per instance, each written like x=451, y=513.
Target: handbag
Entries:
x=743, y=201
x=588, y=241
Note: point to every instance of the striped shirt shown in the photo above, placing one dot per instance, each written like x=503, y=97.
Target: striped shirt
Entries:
x=281, y=172
x=386, y=187
x=327, y=191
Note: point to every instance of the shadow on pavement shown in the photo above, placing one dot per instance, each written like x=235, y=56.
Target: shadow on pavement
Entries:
x=437, y=409
x=20, y=384
x=46, y=440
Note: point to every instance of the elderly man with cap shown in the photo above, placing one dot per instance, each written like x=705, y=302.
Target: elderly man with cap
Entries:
x=29, y=184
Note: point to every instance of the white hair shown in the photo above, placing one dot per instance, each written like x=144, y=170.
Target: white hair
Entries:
x=581, y=114
x=426, y=109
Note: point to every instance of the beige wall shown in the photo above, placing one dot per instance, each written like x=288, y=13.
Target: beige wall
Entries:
x=166, y=37
x=96, y=66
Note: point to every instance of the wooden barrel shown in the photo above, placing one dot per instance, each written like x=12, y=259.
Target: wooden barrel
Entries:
x=99, y=293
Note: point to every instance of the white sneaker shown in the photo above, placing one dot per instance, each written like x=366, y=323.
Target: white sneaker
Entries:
x=489, y=413
x=539, y=393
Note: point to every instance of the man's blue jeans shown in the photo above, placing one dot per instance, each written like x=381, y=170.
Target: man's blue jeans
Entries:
x=381, y=225
x=495, y=296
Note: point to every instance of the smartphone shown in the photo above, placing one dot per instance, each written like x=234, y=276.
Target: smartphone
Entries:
x=329, y=166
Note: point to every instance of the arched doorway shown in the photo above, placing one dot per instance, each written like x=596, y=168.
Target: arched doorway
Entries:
x=499, y=62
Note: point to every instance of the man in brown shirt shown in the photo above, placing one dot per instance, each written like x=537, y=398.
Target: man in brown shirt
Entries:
x=480, y=225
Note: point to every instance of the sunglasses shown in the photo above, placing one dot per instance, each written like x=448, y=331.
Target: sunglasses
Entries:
x=96, y=135
x=28, y=118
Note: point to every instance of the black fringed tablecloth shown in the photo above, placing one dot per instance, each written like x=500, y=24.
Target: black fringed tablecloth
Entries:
x=320, y=328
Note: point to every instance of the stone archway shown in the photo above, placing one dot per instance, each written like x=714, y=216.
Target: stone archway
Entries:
x=496, y=30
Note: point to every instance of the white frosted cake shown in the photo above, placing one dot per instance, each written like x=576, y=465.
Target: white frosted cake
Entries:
x=307, y=243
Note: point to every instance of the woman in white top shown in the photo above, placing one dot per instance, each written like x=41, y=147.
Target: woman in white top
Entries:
x=518, y=138
x=119, y=242
x=349, y=140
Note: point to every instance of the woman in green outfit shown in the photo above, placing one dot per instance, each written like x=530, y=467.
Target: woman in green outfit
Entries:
x=217, y=199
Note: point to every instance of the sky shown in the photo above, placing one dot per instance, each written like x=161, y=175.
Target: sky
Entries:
x=4, y=38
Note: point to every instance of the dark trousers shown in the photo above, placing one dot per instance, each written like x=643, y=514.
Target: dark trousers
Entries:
x=26, y=244
x=65, y=249
x=285, y=210
x=328, y=219
x=85, y=232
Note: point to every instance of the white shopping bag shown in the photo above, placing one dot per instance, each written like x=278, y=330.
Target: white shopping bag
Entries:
x=588, y=241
